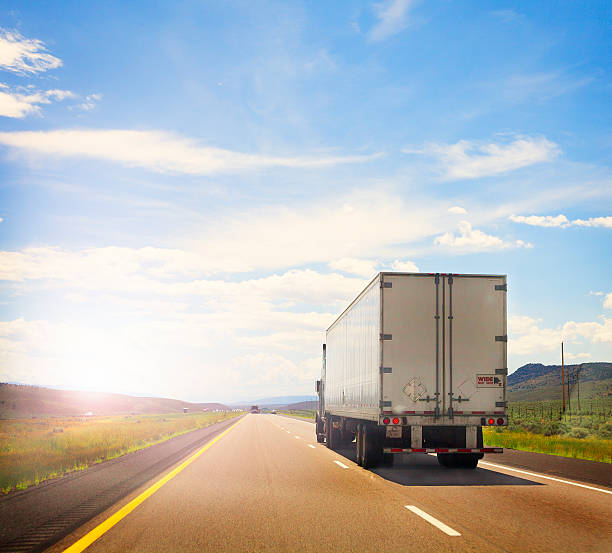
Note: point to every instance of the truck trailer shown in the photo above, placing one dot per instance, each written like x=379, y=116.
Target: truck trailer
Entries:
x=417, y=363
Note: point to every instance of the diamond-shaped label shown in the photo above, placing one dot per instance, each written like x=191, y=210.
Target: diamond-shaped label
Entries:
x=414, y=389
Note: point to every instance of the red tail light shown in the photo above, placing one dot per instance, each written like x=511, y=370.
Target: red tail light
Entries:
x=500, y=421
x=386, y=420
x=395, y=420
x=491, y=421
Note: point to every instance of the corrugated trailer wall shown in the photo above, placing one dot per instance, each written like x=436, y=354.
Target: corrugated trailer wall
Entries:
x=352, y=380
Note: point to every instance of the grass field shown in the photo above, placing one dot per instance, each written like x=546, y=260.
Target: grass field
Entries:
x=593, y=449
x=302, y=414
x=35, y=450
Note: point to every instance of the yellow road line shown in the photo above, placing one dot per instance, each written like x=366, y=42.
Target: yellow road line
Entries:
x=105, y=526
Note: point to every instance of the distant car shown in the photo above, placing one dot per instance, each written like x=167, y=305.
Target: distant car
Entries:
x=274, y=411
x=254, y=409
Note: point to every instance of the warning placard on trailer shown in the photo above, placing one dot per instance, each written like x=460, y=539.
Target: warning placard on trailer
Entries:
x=488, y=381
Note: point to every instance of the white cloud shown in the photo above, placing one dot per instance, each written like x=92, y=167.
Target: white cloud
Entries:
x=572, y=356
x=257, y=372
x=561, y=221
x=164, y=272
x=362, y=267
x=364, y=225
x=608, y=301
x=470, y=239
x=457, y=210
x=541, y=221
x=392, y=18
x=90, y=102
x=19, y=104
x=24, y=55
x=594, y=222
x=368, y=268
x=470, y=160
x=368, y=226
x=526, y=336
x=157, y=151
x=404, y=266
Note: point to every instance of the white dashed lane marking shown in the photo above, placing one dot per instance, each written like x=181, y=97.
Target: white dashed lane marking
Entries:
x=432, y=520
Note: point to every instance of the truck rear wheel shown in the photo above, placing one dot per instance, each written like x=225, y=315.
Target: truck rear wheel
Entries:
x=359, y=445
x=319, y=429
x=446, y=460
x=332, y=435
x=458, y=460
x=371, y=449
x=388, y=459
x=328, y=433
x=467, y=461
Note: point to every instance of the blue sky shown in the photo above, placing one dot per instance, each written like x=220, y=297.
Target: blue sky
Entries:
x=191, y=191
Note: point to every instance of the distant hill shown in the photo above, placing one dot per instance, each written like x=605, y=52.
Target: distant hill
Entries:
x=304, y=405
x=20, y=401
x=534, y=381
x=276, y=402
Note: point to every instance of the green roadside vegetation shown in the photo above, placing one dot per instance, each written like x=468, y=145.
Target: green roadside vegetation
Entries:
x=542, y=427
x=34, y=450
x=300, y=414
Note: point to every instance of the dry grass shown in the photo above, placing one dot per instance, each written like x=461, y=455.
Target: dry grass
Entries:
x=593, y=449
x=302, y=414
x=38, y=449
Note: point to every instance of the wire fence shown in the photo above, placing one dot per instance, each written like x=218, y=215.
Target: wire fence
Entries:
x=596, y=409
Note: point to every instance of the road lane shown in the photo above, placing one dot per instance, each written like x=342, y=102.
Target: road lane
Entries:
x=506, y=508
x=260, y=489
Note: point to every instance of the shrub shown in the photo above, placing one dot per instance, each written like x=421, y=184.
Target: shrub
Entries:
x=579, y=433
x=605, y=430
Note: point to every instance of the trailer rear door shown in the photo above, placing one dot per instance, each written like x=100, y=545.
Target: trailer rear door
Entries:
x=443, y=344
x=475, y=343
x=410, y=349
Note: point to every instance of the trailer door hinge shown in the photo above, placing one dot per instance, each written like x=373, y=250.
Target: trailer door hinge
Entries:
x=386, y=285
x=503, y=338
x=386, y=370
x=386, y=336
x=501, y=404
x=502, y=371
x=501, y=287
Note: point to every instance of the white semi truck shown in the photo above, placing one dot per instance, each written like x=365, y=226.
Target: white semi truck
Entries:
x=416, y=364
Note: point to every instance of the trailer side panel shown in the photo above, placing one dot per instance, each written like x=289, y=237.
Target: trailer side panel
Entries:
x=352, y=376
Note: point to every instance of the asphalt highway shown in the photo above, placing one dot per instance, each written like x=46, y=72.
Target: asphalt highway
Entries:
x=266, y=485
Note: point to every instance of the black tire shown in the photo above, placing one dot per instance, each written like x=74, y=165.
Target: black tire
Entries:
x=446, y=460
x=467, y=461
x=372, y=451
x=329, y=433
x=359, y=445
x=319, y=429
x=388, y=459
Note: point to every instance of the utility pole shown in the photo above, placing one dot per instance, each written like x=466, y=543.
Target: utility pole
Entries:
x=562, y=376
x=578, y=384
